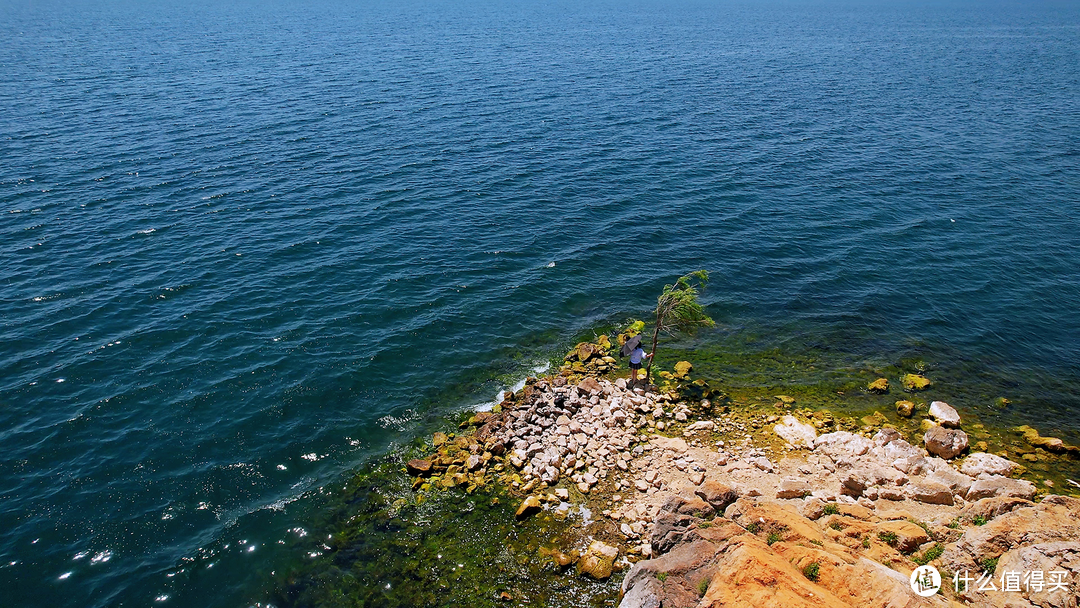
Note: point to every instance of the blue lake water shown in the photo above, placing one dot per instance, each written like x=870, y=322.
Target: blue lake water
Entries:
x=249, y=246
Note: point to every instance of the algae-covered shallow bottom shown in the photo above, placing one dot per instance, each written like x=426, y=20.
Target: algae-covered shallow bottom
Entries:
x=384, y=545
x=381, y=544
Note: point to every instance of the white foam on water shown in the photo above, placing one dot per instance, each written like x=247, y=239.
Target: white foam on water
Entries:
x=520, y=384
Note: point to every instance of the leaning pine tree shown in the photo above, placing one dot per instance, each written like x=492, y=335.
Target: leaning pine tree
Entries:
x=678, y=310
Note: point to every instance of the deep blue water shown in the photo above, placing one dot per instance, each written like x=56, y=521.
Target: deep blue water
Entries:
x=248, y=246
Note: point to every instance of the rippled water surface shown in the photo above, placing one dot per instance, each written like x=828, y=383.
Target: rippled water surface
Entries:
x=249, y=246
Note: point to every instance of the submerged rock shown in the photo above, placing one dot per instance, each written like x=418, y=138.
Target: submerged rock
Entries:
x=905, y=409
x=915, y=382
x=598, y=560
x=879, y=386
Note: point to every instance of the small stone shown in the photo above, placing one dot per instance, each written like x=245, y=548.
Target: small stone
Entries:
x=528, y=506
x=562, y=493
x=905, y=409
x=697, y=477
x=879, y=386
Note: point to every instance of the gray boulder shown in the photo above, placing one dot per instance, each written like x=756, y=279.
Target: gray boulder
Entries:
x=947, y=443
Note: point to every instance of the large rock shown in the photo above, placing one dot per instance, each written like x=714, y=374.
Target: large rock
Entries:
x=996, y=485
x=842, y=444
x=1060, y=556
x=944, y=414
x=980, y=462
x=674, y=444
x=716, y=494
x=693, y=505
x=773, y=517
x=793, y=488
x=796, y=433
x=930, y=492
x=908, y=535
x=668, y=530
x=752, y=575
x=948, y=476
x=947, y=443
x=598, y=560
x=989, y=508
x=1052, y=520
x=682, y=570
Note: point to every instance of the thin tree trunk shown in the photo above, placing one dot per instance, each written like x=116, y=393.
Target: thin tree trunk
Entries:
x=655, y=337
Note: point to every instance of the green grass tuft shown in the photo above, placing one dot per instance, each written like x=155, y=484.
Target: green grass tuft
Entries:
x=812, y=571
x=831, y=509
x=889, y=538
x=929, y=555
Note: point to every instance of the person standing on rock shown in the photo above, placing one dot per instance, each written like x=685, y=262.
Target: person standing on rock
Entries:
x=637, y=357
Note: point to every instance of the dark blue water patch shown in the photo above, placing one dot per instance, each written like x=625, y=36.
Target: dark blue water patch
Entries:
x=258, y=235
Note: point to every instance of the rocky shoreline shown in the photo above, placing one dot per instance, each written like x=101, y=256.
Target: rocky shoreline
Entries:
x=671, y=487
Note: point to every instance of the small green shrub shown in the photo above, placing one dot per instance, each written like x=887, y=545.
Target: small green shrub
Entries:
x=954, y=524
x=661, y=576
x=812, y=571
x=703, y=586
x=929, y=555
x=978, y=520
x=866, y=542
x=816, y=542
x=990, y=564
x=889, y=538
x=830, y=509
x=774, y=537
x=753, y=528
x=836, y=526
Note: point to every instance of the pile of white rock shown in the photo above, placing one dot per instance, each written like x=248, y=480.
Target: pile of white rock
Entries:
x=582, y=432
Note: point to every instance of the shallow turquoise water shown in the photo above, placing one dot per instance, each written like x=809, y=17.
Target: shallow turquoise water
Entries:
x=250, y=246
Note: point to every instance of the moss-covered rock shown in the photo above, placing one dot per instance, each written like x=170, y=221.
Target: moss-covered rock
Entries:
x=915, y=382
x=879, y=386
